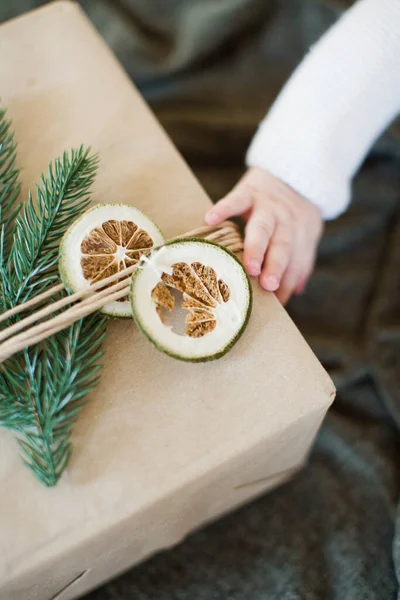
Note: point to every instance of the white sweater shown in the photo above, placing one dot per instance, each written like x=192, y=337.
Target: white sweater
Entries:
x=338, y=101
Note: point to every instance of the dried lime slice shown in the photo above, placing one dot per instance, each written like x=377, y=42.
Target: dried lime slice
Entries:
x=192, y=299
x=105, y=240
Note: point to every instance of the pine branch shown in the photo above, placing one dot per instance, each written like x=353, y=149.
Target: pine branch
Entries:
x=58, y=389
x=43, y=389
x=61, y=197
x=9, y=184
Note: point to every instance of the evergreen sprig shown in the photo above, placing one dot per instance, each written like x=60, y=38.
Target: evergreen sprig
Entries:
x=9, y=184
x=61, y=197
x=42, y=389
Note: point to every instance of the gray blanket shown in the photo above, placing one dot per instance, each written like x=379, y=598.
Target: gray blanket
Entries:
x=210, y=69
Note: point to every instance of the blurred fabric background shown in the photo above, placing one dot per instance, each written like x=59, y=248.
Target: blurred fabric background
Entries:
x=210, y=69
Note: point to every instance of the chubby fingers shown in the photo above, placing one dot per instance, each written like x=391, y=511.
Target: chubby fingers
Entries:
x=245, y=201
x=281, y=235
x=278, y=256
x=299, y=268
x=259, y=230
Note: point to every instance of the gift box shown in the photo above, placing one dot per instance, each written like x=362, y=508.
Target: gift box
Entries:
x=162, y=446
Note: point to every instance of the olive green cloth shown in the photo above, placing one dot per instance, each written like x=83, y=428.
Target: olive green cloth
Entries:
x=210, y=69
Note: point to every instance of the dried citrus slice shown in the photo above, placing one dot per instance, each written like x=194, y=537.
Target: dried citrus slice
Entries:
x=105, y=240
x=192, y=299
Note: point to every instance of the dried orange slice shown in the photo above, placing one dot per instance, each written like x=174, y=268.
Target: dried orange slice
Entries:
x=105, y=240
x=202, y=283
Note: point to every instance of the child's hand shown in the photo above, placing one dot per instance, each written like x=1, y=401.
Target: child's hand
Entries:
x=282, y=231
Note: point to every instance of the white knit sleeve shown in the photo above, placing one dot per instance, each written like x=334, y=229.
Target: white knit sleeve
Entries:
x=342, y=96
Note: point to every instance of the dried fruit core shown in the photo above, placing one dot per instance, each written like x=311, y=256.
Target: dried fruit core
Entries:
x=114, y=246
x=202, y=293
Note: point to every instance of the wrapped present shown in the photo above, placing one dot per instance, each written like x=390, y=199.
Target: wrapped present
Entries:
x=162, y=446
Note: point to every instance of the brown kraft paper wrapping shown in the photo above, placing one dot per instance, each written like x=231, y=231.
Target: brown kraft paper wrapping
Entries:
x=162, y=446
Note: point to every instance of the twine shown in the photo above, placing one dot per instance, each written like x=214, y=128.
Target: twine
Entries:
x=90, y=300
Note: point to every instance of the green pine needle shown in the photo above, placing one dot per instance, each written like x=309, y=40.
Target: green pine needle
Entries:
x=58, y=379
x=9, y=184
x=42, y=389
x=61, y=197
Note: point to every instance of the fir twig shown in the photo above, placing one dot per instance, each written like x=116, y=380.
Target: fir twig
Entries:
x=42, y=389
x=59, y=388
x=9, y=179
x=61, y=197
